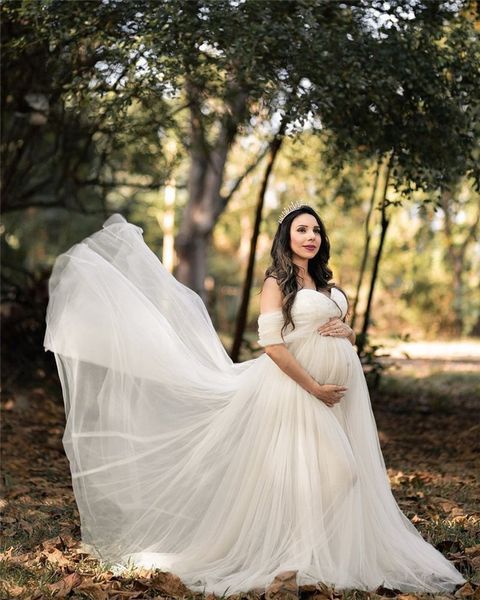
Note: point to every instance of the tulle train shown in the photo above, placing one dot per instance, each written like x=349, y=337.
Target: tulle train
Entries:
x=225, y=474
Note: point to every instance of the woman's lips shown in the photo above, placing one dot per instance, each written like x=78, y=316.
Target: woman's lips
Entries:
x=310, y=247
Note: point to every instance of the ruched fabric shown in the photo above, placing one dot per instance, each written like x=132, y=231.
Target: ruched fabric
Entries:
x=225, y=474
x=269, y=328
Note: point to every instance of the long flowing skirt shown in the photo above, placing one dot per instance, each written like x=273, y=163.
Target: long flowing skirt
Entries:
x=225, y=474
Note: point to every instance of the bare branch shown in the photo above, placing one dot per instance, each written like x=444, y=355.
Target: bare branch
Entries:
x=248, y=170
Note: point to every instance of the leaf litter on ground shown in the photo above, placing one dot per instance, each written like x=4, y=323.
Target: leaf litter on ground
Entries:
x=431, y=458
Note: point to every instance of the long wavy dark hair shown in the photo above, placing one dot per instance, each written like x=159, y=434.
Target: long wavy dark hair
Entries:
x=286, y=272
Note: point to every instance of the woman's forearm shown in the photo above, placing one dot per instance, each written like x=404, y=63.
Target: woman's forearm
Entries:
x=285, y=360
x=352, y=337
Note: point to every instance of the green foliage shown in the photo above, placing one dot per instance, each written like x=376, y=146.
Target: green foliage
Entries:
x=84, y=98
x=410, y=90
x=371, y=359
x=415, y=287
x=71, y=125
x=91, y=101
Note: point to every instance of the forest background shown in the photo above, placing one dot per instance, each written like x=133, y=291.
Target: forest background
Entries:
x=199, y=120
x=190, y=118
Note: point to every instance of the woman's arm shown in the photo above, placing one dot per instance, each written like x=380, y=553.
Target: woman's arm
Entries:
x=285, y=360
x=271, y=300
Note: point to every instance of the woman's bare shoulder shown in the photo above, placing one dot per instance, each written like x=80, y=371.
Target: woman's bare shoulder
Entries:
x=271, y=297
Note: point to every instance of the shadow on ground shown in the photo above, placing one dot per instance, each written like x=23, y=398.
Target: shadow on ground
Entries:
x=429, y=432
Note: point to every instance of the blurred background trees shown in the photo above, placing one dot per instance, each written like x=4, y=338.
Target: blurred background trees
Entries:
x=167, y=111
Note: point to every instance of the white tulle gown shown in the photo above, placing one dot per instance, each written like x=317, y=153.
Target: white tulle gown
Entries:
x=224, y=474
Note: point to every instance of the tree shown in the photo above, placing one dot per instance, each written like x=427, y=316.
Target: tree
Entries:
x=241, y=320
x=460, y=231
x=423, y=117
x=211, y=70
x=227, y=63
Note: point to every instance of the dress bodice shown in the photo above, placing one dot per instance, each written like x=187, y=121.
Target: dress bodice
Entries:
x=310, y=310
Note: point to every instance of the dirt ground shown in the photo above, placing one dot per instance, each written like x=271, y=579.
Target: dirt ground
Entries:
x=427, y=414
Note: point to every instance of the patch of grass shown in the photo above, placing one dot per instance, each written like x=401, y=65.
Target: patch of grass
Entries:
x=438, y=391
x=463, y=533
x=14, y=575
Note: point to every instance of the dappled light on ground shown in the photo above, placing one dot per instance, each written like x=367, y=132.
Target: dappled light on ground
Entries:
x=430, y=444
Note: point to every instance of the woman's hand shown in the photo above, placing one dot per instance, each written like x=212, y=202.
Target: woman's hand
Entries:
x=337, y=328
x=329, y=393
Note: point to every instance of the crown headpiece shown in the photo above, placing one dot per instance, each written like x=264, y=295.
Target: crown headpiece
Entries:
x=290, y=208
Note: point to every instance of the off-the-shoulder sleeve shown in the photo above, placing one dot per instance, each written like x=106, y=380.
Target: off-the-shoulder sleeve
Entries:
x=269, y=328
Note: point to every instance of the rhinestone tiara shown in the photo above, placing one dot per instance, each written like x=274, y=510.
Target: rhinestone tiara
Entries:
x=290, y=208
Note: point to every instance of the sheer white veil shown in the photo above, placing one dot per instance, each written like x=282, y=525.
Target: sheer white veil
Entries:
x=159, y=302
x=143, y=372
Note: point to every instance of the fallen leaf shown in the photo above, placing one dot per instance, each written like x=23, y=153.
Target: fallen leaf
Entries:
x=26, y=526
x=446, y=504
x=387, y=592
x=283, y=587
x=9, y=520
x=94, y=590
x=465, y=591
x=7, y=554
x=13, y=590
x=62, y=588
x=475, y=562
x=417, y=519
x=54, y=555
x=169, y=584
x=473, y=550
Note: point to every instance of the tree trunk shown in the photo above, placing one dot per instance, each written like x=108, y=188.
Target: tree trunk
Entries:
x=241, y=320
x=376, y=263
x=205, y=202
x=366, y=246
x=458, y=293
x=455, y=257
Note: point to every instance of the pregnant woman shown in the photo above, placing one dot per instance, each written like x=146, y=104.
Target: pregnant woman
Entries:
x=226, y=474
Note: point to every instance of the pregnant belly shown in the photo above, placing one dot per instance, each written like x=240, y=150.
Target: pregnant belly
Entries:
x=328, y=359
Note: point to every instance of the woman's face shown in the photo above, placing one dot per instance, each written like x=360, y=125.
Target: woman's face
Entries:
x=304, y=236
